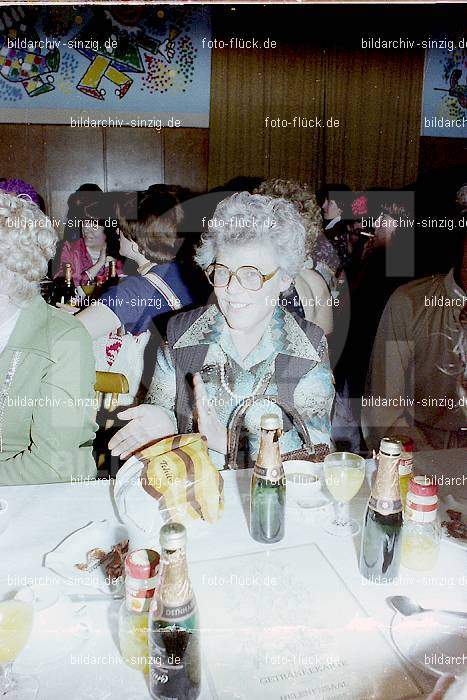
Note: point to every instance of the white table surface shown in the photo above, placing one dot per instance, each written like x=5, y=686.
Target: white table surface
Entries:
x=41, y=516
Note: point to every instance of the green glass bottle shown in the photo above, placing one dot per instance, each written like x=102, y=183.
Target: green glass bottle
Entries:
x=382, y=529
x=173, y=631
x=64, y=291
x=267, y=497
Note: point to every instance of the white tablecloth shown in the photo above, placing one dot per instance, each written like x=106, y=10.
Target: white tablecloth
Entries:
x=41, y=516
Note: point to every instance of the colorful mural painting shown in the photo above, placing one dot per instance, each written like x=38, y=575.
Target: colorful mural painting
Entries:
x=445, y=93
x=62, y=62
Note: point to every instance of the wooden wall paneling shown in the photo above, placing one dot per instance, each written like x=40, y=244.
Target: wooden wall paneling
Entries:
x=294, y=90
x=186, y=157
x=217, y=117
x=22, y=155
x=74, y=156
x=133, y=158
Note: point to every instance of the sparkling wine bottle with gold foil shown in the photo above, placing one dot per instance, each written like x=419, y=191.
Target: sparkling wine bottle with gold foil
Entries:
x=112, y=278
x=382, y=528
x=173, y=632
x=64, y=288
x=267, y=497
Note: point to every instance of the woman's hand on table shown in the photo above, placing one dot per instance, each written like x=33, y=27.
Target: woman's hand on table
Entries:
x=208, y=422
x=147, y=423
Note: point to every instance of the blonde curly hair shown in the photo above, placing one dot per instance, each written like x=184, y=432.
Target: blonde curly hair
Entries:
x=27, y=243
x=304, y=199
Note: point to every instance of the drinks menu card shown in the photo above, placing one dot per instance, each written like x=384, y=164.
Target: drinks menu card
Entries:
x=282, y=624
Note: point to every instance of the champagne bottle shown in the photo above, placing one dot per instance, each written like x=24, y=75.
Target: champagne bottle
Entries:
x=174, y=651
x=381, y=539
x=112, y=278
x=64, y=288
x=267, y=496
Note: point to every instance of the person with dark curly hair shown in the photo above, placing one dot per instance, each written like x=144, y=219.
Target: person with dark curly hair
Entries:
x=159, y=287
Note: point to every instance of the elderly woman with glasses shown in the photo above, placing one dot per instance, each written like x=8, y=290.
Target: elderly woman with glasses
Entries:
x=243, y=344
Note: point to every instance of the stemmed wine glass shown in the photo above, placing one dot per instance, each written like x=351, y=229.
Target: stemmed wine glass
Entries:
x=343, y=473
x=16, y=617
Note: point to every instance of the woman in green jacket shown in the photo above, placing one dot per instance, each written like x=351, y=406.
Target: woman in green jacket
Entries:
x=47, y=405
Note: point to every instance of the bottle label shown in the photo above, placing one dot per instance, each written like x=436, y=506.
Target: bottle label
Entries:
x=385, y=494
x=274, y=474
x=141, y=584
x=137, y=594
x=385, y=506
x=421, y=516
x=177, y=612
x=421, y=509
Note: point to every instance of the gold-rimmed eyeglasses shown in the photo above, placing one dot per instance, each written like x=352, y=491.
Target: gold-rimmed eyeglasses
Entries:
x=248, y=277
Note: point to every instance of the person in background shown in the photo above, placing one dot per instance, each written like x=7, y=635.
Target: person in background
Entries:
x=384, y=266
x=328, y=307
x=159, y=287
x=461, y=200
x=244, y=344
x=357, y=237
x=387, y=214
x=89, y=255
x=310, y=295
x=333, y=200
x=80, y=206
x=46, y=363
x=417, y=373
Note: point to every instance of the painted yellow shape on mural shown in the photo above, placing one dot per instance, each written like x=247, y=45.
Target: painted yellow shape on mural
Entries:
x=101, y=67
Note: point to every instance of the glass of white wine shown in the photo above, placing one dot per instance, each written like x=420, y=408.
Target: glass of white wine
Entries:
x=89, y=286
x=16, y=617
x=343, y=473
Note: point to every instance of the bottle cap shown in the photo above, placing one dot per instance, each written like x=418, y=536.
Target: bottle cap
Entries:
x=141, y=570
x=423, y=486
x=271, y=421
x=173, y=536
x=142, y=563
x=390, y=447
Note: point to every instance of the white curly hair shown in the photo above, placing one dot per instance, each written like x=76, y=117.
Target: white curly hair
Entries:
x=245, y=218
x=27, y=243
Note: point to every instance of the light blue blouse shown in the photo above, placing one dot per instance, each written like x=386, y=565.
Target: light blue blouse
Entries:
x=313, y=395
